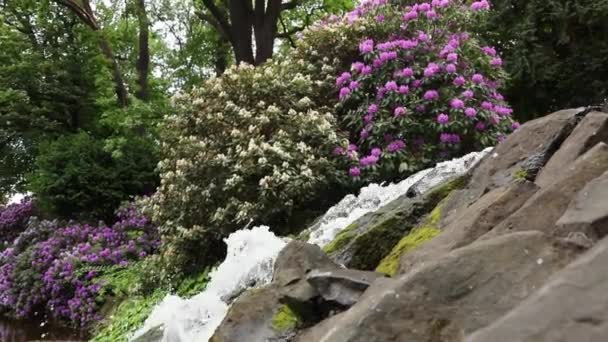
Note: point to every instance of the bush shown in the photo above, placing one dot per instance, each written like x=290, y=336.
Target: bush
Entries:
x=555, y=51
x=248, y=147
x=58, y=272
x=13, y=220
x=77, y=178
x=427, y=93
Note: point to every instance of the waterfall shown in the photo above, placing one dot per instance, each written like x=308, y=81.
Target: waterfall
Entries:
x=252, y=253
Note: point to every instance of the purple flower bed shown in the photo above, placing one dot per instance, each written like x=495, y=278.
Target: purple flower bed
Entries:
x=13, y=220
x=47, y=277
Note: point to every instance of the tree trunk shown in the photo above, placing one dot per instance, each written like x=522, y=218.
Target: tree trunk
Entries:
x=221, y=57
x=143, y=60
x=241, y=31
x=122, y=95
x=265, y=27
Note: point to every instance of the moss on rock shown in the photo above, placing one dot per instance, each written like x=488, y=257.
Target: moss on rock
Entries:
x=285, y=319
x=342, y=239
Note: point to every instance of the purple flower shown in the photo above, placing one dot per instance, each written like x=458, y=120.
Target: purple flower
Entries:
x=407, y=72
x=369, y=160
x=488, y=50
x=366, y=70
x=431, y=95
x=459, y=81
x=452, y=57
x=345, y=77
x=395, y=146
x=515, y=125
x=344, y=92
x=496, y=62
x=477, y=78
x=480, y=126
x=443, y=119
x=423, y=7
x=338, y=151
x=450, y=68
x=364, y=134
x=487, y=105
x=431, y=69
x=372, y=109
x=366, y=46
x=399, y=111
x=423, y=37
x=376, y=152
x=411, y=15
x=391, y=86
x=431, y=14
x=354, y=172
x=457, y=104
x=353, y=85
x=503, y=111
x=380, y=18
x=480, y=5
x=357, y=66
x=404, y=89
x=416, y=83
x=468, y=94
x=470, y=112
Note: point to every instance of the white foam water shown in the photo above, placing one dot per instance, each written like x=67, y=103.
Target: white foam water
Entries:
x=252, y=253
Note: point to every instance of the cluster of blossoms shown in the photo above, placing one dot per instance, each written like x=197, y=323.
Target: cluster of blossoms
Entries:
x=56, y=273
x=428, y=92
x=250, y=145
x=13, y=220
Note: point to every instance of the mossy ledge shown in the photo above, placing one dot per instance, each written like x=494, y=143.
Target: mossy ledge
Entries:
x=367, y=241
x=285, y=319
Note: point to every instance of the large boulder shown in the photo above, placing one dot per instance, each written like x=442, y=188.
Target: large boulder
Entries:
x=466, y=225
x=547, y=205
x=588, y=211
x=448, y=298
x=592, y=130
x=341, y=286
x=571, y=307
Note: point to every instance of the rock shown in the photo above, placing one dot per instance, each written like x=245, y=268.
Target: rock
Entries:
x=547, y=205
x=293, y=264
x=531, y=145
x=572, y=306
x=342, y=286
x=588, y=211
x=590, y=131
x=369, y=239
x=256, y=315
x=466, y=225
x=450, y=297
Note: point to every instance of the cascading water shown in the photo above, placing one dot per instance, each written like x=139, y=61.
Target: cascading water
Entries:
x=252, y=253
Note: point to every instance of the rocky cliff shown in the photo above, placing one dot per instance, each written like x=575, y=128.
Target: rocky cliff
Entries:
x=515, y=250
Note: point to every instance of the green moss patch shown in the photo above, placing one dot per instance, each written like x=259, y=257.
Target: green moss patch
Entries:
x=285, y=319
x=342, y=239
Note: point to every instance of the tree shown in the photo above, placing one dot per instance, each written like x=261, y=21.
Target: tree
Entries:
x=243, y=23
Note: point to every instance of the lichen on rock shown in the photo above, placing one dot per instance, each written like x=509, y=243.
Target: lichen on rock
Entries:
x=285, y=319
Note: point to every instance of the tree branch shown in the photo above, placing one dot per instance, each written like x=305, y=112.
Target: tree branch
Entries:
x=221, y=19
x=290, y=5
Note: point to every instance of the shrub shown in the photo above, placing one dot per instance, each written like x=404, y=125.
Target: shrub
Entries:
x=58, y=273
x=13, y=220
x=427, y=93
x=77, y=178
x=248, y=147
x=555, y=51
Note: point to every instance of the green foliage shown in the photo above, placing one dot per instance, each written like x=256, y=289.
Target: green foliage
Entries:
x=77, y=178
x=555, y=51
x=237, y=147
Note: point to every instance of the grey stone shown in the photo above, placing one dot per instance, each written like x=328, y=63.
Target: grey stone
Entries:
x=342, y=286
x=571, y=307
x=450, y=297
x=591, y=130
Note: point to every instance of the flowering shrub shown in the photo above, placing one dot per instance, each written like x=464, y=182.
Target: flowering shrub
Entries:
x=248, y=146
x=13, y=220
x=423, y=94
x=58, y=272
